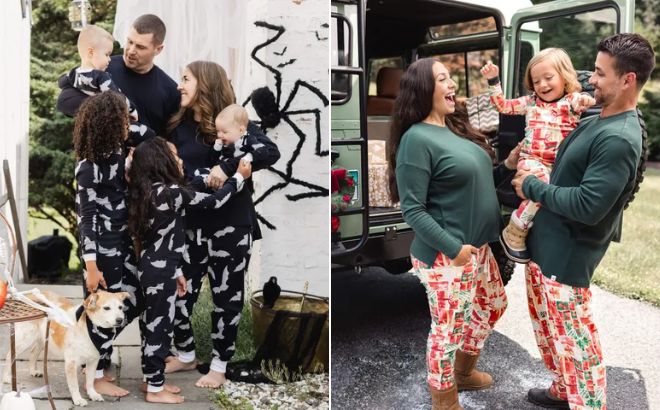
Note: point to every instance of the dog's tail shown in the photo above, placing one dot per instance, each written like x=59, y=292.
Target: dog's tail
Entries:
x=59, y=300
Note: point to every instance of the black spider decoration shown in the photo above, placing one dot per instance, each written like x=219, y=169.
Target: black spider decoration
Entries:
x=267, y=106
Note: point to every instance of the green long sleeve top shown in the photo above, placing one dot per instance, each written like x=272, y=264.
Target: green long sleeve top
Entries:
x=582, y=206
x=447, y=193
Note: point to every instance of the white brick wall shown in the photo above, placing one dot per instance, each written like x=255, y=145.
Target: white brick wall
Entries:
x=297, y=251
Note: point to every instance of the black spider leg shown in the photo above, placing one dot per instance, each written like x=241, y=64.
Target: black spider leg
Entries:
x=317, y=191
x=317, y=120
x=316, y=112
x=278, y=75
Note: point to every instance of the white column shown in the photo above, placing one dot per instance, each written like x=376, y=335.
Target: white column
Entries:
x=14, y=108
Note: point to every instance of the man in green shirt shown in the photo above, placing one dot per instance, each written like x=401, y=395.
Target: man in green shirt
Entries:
x=593, y=179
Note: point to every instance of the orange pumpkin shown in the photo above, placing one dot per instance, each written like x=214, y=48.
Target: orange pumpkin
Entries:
x=3, y=293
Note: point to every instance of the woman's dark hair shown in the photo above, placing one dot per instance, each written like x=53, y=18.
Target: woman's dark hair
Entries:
x=153, y=161
x=414, y=104
x=101, y=126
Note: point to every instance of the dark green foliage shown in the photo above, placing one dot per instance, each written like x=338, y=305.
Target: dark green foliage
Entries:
x=52, y=163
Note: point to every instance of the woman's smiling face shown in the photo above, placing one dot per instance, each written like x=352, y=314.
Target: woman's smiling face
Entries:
x=445, y=90
x=187, y=88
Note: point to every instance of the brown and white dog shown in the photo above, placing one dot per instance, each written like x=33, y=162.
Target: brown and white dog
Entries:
x=104, y=309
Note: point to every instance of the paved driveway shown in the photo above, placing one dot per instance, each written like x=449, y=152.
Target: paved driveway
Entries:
x=379, y=327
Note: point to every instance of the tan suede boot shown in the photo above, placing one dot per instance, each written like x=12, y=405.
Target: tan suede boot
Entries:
x=513, y=240
x=445, y=399
x=467, y=378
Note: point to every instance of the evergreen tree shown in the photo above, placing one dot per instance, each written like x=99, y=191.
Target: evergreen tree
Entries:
x=52, y=162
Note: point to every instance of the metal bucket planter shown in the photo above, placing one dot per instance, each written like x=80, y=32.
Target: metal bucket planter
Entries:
x=291, y=302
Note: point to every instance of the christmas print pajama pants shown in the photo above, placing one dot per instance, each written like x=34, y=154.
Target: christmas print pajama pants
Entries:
x=225, y=255
x=116, y=260
x=465, y=303
x=567, y=339
x=527, y=209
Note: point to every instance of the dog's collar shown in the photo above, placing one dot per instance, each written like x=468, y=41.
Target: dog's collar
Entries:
x=80, y=312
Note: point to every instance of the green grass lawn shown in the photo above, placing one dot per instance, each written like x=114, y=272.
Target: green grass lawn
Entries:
x=632, y=268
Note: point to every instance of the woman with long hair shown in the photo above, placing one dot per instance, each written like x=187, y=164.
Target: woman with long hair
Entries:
x=218, y=242
x=442, y=172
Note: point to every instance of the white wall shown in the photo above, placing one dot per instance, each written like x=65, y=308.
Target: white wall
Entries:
x=224, y=31
x=297, y=250
x=14, y=107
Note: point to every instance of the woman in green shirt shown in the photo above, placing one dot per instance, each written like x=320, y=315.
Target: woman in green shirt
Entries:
x=442, y=171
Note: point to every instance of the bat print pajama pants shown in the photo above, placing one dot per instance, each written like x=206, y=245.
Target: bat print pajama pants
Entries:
x=156, y=322
x=224, y=255
x=116, y=260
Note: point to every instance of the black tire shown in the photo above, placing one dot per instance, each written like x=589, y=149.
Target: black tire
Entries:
x=398, y=266
x=641, y=168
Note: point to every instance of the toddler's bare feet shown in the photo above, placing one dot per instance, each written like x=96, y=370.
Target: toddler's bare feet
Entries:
x=107, y=388
x=176, y=365
x=164, y=396
x=211, y=379
x=167, y=387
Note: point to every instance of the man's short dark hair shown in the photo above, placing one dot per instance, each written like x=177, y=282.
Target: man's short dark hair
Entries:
x=632, y=54
x=151, y=24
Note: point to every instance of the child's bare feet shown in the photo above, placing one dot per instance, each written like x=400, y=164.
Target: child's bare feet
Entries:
x=167, y=387
x=107, y=388
x=211, y=379
x=164, y=396
x=176, y=365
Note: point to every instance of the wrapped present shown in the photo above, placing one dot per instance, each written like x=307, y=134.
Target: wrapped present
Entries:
x=376, y=152
x=379, y=193
x=483, y=116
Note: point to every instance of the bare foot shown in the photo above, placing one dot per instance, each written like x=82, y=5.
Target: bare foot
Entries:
x=211, y=379
x=167, y=387
x=107, y=388
x=176, y=365
x=164, y=396
x=106, y=375
x=169, y=358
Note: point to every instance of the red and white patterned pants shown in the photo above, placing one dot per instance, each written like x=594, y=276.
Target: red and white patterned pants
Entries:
x=567, y=339
x=465, y=303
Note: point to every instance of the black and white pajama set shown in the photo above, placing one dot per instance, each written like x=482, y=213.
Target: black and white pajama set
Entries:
x=218, y=242
x=92, y=82
x=246, y=147
x=160, y=265
x=102, y=224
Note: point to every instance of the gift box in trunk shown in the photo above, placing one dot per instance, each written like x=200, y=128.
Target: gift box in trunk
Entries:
x=379, y=193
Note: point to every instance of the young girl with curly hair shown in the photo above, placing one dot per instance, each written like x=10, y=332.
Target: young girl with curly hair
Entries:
x=158, y=199
x=100, y=131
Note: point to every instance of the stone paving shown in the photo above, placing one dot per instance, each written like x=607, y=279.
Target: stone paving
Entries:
x=126, y=364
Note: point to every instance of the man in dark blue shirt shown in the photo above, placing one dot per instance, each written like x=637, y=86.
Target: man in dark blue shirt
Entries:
x=152, y=91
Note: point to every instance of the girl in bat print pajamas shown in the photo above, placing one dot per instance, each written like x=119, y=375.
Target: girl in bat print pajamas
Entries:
x=106, y=250
x=157, y=173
